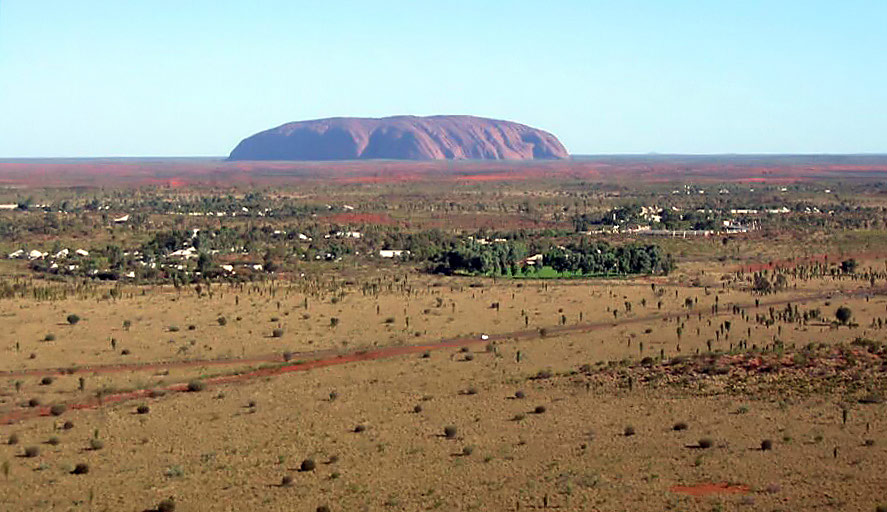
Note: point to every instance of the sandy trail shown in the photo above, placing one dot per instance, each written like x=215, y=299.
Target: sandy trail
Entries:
x=310, y=360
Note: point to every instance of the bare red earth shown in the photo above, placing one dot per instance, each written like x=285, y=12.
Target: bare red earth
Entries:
x=627, y=170
x=381, y=219
x=700, y=490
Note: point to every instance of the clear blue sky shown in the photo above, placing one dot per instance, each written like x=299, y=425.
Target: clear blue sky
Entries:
x=193, y=77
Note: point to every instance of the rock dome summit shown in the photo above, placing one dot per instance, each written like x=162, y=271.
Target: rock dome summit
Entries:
x=401, y=138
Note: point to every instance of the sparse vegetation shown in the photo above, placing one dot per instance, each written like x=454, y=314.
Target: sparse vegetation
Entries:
x=195, y=386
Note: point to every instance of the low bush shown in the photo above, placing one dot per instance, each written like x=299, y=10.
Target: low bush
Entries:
x=195, y=386
x=167, y=505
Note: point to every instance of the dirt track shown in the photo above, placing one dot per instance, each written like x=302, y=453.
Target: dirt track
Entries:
x=319, y=359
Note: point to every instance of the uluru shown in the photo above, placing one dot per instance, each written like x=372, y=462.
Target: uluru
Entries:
x=401, y=138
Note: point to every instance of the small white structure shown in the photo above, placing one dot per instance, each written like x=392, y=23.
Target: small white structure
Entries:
x=61, y=254
x=187, y=254
x=36, y=255
x=81, y=252
x=16, y=254
x=533, y=260
x=227, y=268
x=120, y=220
x=392, y=253
x=8, y=206
x=304, y=237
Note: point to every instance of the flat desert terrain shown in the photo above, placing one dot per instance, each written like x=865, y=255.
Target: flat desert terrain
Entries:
x=415, y=392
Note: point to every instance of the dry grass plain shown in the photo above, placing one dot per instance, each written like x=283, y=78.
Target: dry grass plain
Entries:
x=375, y=428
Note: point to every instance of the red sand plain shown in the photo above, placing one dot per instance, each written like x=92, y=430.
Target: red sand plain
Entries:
x=209, y=172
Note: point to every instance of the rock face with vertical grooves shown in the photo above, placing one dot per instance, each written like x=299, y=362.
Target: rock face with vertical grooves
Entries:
x=401, y=138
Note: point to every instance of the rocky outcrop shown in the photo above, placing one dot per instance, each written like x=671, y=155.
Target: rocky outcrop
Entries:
x=401, y=138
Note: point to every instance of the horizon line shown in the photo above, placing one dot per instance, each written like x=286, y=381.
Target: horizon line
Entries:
x=572, y=155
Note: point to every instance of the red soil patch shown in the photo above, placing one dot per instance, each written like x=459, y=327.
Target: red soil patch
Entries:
x=212, y=172
x=709, y=489
x=382, y=219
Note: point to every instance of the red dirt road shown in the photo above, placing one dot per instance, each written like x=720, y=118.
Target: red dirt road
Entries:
x=325, y=358
x=700, y=490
